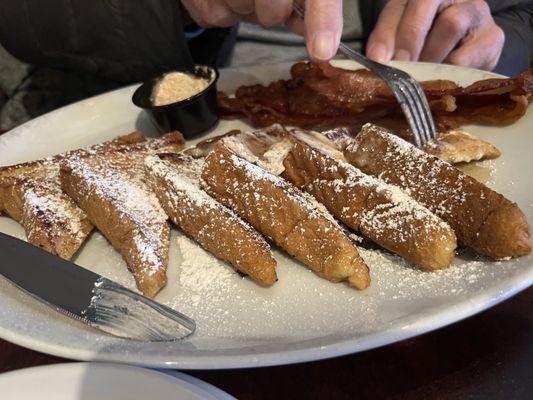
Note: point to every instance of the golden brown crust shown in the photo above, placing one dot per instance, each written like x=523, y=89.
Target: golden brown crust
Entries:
x=481, y=218
x=510, y=219
x=176, y=181
x=31, y=194
x=380, y=212
x=52, y=220
x=283, y=213
x=111, y=190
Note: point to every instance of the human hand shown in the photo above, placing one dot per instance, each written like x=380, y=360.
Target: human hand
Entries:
x=322, y=27
x=460, y=32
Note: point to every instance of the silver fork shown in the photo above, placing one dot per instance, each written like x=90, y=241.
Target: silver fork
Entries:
x=407, y=90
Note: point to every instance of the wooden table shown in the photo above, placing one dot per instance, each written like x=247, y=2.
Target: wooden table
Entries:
x=489, y=356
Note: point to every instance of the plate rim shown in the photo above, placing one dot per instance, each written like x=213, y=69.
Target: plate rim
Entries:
x=412, y=327
x=445, y=316
x=200, y=386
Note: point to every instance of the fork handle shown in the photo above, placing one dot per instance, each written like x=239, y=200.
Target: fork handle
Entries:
x=357, y=56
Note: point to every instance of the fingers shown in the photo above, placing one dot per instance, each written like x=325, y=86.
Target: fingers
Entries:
x=382, y=40
x=461, y=32
x=273, y=12
x=241, y=7
x=295, y=23
x=481, y=49
x=451, y=26
x=414, y=27
x=210, y=13
x=323, y=28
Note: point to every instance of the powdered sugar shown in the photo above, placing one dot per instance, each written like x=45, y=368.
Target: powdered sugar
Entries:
x=394, y=276
x=186, y=180
x=419, y=174
x=132, y=201
x=257, y=174
x=201, y=273
x=301, y=304
x=44, y=205
x=51, y=204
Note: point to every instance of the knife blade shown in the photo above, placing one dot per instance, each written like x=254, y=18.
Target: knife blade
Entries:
x=87, y=296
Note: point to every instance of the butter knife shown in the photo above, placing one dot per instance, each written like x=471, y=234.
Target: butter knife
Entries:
x=89, y=297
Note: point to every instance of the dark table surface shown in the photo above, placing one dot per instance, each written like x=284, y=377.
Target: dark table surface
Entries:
x=488, y=356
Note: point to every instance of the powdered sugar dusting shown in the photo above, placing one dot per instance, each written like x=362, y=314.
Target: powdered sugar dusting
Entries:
x=257, y=174
x=132, y=201
x=434, y=185
x=46, y=207
x=48, y=202
x=394, y=276
x=201, y=273
x=185, y=182
x=229, y=309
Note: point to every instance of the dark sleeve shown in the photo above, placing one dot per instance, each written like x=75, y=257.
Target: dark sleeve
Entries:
x=516, y=20
x=122, y=40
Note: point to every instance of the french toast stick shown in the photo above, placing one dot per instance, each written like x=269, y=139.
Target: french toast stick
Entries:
x=283, y=213
x=112, y=191
x=380, y=212
x=31, y=194
x=482, y=219
x=175, y=179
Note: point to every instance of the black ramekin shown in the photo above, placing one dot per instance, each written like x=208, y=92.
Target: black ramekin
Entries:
x=191, y=116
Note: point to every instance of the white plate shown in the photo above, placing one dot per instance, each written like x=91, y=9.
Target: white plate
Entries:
x=99, y=381
x=240, y=324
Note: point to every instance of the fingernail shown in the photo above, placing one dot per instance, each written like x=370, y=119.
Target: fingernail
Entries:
x=402, y=55
x=378, y=53
x=324, y=45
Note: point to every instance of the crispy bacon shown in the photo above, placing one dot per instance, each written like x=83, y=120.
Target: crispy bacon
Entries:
x=321, y=95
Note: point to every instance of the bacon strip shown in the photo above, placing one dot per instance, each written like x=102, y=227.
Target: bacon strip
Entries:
x=321, y=96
